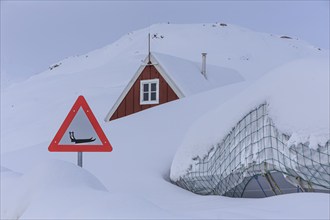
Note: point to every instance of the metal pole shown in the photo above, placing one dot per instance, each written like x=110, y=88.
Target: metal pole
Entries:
x=149, y=48
x=80, y=162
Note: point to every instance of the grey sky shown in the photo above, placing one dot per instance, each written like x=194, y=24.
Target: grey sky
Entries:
x=36, y=34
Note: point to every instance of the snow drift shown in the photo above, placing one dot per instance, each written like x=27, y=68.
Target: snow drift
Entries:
x=49, y=176
x=136, y=173
x=290, y=92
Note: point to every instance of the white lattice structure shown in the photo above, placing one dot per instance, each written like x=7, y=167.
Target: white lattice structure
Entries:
x=254, y=160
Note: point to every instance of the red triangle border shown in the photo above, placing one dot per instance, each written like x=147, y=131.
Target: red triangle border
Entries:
x=56, y=147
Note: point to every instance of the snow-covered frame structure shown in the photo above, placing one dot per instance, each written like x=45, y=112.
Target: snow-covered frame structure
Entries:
x=254, y=160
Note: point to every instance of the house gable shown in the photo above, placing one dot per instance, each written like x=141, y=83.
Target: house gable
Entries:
x=129, y=101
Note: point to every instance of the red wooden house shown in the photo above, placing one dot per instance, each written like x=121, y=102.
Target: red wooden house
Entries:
x=164, y=78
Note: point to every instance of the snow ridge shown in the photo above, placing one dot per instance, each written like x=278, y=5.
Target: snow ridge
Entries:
x=136, y=172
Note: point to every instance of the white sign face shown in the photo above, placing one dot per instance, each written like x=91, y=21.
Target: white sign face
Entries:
x=80, y=131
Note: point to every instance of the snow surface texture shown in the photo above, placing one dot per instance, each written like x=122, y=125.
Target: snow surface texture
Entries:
x=136, y=173
x=187, y=75
x=298, y=98
x=43, y=182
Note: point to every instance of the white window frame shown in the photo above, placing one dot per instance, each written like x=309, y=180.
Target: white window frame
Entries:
x=149, y=81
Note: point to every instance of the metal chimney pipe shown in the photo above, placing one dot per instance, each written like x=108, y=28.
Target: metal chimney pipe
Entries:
x=204, y=65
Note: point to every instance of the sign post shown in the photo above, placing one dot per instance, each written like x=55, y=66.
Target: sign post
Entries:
x=79, y=162
x=80, y=132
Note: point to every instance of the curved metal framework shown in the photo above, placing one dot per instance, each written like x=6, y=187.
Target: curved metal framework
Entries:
x=255, y=148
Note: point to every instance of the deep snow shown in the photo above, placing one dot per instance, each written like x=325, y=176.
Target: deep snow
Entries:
x=133, y=180
x=298, y=97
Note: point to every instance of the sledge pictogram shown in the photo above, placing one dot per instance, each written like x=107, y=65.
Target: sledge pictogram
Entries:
x=80, y=132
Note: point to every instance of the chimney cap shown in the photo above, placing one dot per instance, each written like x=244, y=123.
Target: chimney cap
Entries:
x=204, y=54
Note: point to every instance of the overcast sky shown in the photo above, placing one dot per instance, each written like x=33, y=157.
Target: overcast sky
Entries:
x=36, y=34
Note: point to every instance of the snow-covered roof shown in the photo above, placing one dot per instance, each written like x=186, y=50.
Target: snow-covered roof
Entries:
x=184, y=76
x=298, y=97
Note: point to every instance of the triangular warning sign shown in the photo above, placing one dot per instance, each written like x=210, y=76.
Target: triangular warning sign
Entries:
x=80, y=132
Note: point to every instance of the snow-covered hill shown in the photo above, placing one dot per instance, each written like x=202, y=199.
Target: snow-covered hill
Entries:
x=102, y=74
x=137, y=171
